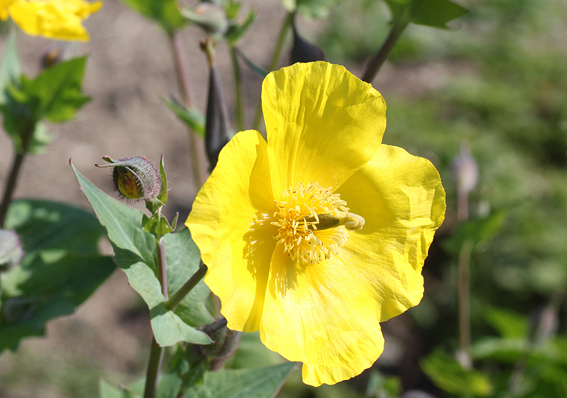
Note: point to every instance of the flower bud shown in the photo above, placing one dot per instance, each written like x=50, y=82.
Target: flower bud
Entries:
x=210, y=17
x=135, y=178
x=53, y=55
x=302, y=50
x=11, y=252
x=465, y=170
x=225, y=343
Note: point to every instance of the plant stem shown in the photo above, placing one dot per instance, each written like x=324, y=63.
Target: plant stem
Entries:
x=162, y=267
x=274, y=63
x=186, y=288
x=156, y=352
x=10, y=186
x=237, y=89
x=154, y=365
x=464, y=355
x=378, y=60
x=181, y=67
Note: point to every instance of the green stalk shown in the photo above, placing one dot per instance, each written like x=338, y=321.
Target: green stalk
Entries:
x=181, y=68
x=154, y=365
x=464, y=355
x=237, y=89
x=156, y=351
x=186, y=288
x=274, y=63
x=11, y=183
x=380, y=57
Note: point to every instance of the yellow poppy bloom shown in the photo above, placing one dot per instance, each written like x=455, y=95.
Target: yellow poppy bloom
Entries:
x=54, y=19
x=319, y=234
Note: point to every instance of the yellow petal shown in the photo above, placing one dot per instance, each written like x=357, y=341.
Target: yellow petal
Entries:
x=403, y=202
x=54, y=19
x=322, y=123
x=325, y=315
x=236, y=250
x=4, y=4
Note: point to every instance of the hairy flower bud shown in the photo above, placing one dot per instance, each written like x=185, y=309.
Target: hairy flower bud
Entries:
x=135, y=178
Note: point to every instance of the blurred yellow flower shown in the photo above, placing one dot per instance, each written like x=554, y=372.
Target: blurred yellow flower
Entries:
x=54, y=19
x=320, y=234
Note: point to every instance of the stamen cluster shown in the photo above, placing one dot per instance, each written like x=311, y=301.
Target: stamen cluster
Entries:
x=298, y=222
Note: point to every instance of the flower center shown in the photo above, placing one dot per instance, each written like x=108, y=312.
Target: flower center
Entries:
x=312, y=222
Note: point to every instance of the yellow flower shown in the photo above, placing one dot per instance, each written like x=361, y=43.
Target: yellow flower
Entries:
x=54, y=19
x=320, y=234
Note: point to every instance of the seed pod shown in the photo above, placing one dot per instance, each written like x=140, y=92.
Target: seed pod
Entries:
x=135, y=178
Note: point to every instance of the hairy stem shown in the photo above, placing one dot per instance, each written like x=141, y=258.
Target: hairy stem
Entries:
x=186, y=288
x=274, y=63
x=181, y=68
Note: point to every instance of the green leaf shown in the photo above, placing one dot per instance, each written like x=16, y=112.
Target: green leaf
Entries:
x=245, y=383
x=51, y=289
x=52, y=227
x=157, y=225
x=135, y=252
x=56, y=93
x=164, y=12
x=162, y=197
x=193, y=118
x=183, y=260
x=105, y=390
x=236, y=31
x=447, y=374
x=501, y=350
x=434, y=13
x=40, y=139
x=60, y=270
x=168, y=386
x=255, y=68
x=10, y=69
x=477, y=231
x=508, y=323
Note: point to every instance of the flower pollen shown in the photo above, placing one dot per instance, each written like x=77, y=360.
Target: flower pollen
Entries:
x=312, y=222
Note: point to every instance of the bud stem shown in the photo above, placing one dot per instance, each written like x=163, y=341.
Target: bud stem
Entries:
x=378, y=60
x=186, y=288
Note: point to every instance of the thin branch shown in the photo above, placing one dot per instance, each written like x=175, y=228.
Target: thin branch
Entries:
x=378, y=60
